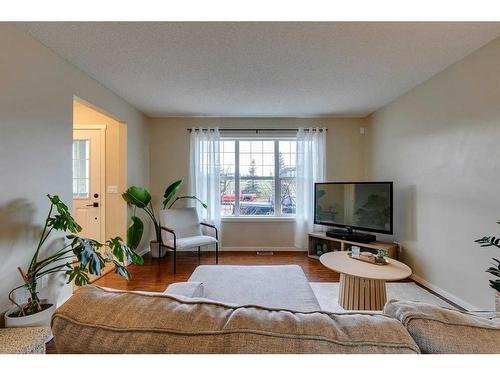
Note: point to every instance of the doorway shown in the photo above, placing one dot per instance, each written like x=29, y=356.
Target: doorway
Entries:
x=99, y=173
x=89, y=180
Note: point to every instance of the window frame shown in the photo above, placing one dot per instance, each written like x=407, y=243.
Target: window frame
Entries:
x=278, y=215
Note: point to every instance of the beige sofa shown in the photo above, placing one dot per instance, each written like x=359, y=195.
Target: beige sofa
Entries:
x=96, y=320
x=270, y=309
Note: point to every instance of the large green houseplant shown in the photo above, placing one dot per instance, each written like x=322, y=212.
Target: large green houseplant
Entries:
x=488, y=241
x=139, y=197
x=77, y=258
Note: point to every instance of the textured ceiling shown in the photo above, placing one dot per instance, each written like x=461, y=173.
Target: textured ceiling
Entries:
x=262, y=69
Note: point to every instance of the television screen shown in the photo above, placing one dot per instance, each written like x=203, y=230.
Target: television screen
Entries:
x=359, y=205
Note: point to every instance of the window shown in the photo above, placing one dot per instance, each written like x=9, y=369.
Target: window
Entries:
x=253, y=173
x=81, y=154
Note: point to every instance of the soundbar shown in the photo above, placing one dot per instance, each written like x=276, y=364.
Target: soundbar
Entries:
x=351, y=236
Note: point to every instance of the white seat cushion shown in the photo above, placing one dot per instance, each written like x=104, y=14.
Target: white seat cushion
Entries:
x=191, y=242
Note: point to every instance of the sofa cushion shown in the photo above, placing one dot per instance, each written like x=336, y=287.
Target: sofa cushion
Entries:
x=96, y=320
x=191, y=242
x=283, y=286
x=440, y=330
x=186, y=288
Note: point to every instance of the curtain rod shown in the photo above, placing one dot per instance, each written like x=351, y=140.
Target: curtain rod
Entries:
x=256, y=130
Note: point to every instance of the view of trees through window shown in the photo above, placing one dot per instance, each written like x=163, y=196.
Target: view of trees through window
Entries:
x=253, y=173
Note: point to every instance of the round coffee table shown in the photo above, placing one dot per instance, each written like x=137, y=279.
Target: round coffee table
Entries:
x=362, y=284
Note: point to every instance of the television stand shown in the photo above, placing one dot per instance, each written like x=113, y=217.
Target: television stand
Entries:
x=350, y=235
x=321, y=240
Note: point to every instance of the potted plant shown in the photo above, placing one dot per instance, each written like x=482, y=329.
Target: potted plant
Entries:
x=139, y=197
x=494, y=270
x=381, y=255
x=77, y=258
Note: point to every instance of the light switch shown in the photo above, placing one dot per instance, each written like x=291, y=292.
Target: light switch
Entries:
x=112, y=189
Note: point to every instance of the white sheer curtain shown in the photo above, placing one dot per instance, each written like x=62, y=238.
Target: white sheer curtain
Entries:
x=311, y=154
x=204, y=179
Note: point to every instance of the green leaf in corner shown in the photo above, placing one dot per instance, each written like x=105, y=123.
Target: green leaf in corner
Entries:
x=171, y=191
x=137, y=196
x=134, y=232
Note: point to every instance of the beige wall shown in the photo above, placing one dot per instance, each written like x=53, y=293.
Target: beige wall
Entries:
x=440, y=145
x=170, y=161
x=36, y=117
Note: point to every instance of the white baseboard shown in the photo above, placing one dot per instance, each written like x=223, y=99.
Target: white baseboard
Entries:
x=261, y=248
x=458, y=301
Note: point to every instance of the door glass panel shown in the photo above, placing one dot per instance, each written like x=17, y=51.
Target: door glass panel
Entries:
x=81, y=154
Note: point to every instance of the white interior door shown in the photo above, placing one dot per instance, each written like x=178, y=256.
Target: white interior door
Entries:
x=88, y=182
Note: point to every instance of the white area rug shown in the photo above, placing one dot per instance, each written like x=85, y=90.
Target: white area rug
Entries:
x=327, y=295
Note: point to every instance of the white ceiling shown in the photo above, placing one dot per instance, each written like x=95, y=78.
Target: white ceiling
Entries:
x=262, y=69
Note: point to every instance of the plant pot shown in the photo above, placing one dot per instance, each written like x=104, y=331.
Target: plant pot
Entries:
x=41, y=319
x=154, y=248
x=497, y=300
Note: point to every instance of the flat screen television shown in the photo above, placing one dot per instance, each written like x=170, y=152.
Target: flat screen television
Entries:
x=364, y=206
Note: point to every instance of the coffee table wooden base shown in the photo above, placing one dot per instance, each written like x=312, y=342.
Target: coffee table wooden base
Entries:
x=356, y=293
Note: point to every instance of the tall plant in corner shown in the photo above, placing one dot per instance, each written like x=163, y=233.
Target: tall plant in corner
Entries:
x=77, y=258
x=494, y=270
x=139, y=197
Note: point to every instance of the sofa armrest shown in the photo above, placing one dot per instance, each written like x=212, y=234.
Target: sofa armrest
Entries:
x=438, y=330
x=188, y=289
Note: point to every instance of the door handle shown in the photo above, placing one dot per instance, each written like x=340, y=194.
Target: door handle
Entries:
x=95, y=204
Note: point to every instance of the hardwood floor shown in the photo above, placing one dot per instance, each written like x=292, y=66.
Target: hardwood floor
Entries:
x=155, y=275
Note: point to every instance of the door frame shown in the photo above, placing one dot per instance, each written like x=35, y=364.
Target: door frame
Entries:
x=102, y=129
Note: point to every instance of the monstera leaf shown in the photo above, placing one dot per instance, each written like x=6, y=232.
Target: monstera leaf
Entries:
x=87, y=253
x=79, y=275
x=137, y=196
x=62, y=220
x=122, y=252
x=170, y=192
x=122, y=271
x=134, y=232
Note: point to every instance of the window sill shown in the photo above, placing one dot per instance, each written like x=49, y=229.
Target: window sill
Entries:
x=258, y=218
